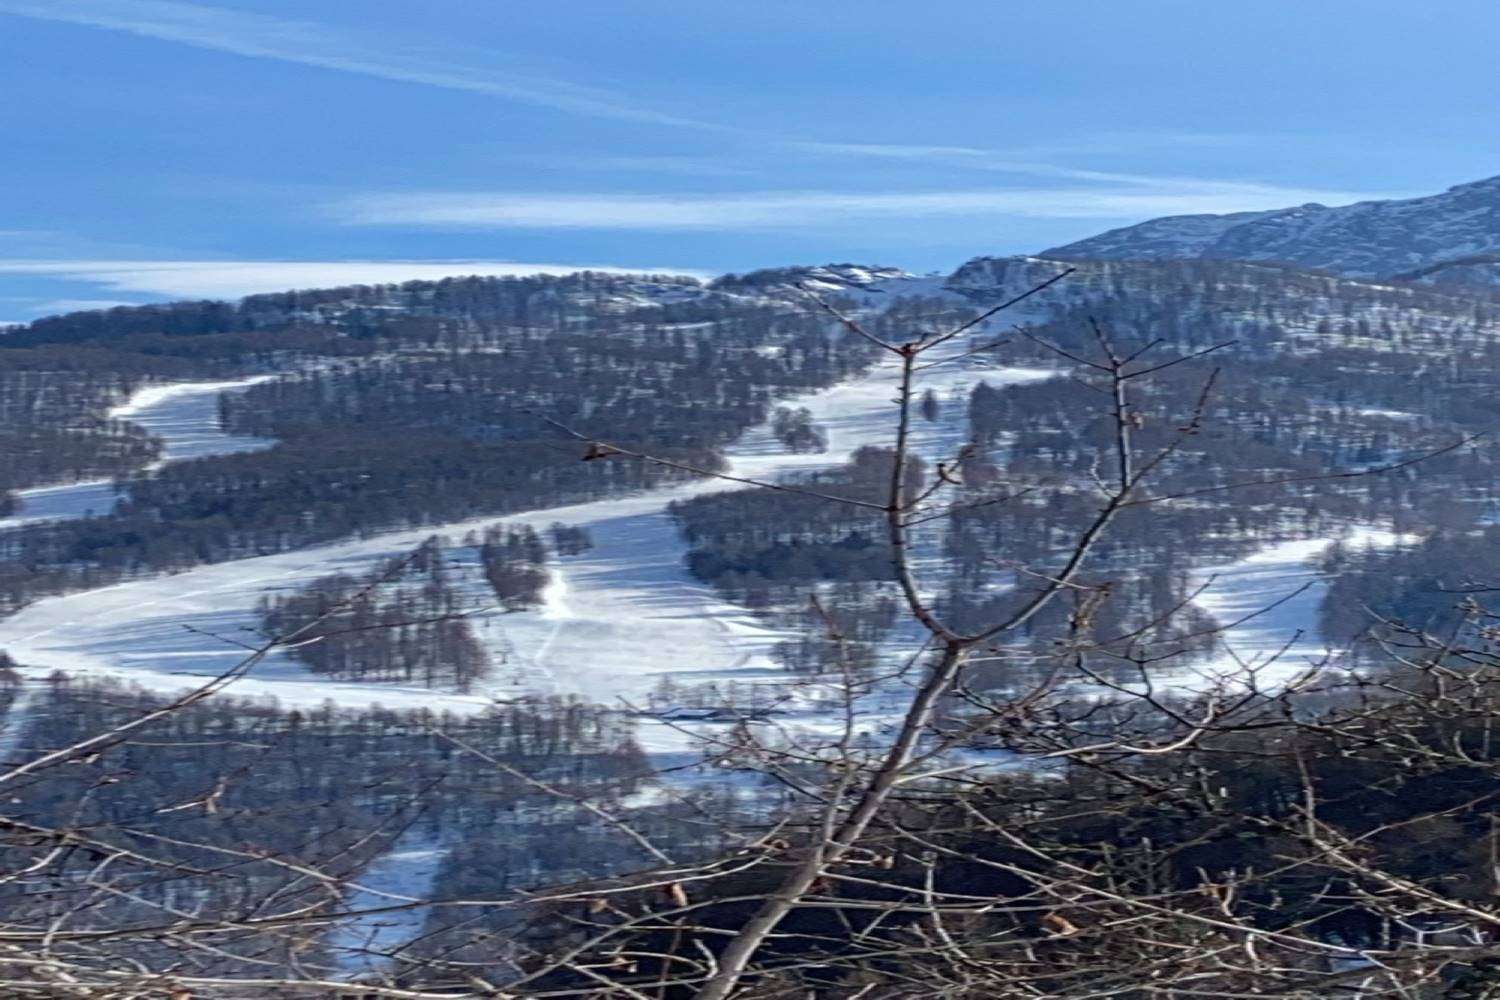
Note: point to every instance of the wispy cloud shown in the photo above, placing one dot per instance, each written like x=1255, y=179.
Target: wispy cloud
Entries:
x=1011, y=162
x=311, y=44
x=799, y=209
x=198, y=279
x=346, y=50
x=1053, y=191
x=682, y=166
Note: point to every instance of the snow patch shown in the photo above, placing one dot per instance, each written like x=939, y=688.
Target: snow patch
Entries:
x=1269, y=602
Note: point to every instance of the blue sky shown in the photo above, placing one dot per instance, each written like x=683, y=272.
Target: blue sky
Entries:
x=156, y=149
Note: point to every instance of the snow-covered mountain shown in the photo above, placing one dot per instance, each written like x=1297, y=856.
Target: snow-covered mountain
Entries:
x=1367, y=239
x=823, y=278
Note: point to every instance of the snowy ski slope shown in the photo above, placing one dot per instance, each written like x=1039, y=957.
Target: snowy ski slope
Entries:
x=185, y=415
x=616, y=618
x=1268, y=603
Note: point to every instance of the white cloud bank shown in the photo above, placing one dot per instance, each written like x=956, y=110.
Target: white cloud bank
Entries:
x=187, y=279
x=785, y=210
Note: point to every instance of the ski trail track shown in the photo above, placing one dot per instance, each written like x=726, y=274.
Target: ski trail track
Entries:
x=616, y=619
x=185, y=415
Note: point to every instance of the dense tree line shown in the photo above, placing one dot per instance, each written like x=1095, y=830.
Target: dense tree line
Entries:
x=794, y=428
x=569, y=539
x=54, y=426
x=244, y=797
x=1367, y=827
x=403, y=621
x=518, y=300
x=1427, y=584
x=771, y=550
x=515, y=564
x=1319, y=377
x=746, y=541
x=65, y=371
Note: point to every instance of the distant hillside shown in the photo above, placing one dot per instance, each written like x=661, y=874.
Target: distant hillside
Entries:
x=1368, y=239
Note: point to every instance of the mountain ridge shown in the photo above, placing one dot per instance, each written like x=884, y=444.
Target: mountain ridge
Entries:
x=1368, y=239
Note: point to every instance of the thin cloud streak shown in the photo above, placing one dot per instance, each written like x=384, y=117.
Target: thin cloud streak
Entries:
x=218, y=279
x=999, y=161
x=310, y=44
x=1102, y=195
x=798, y=209
x=684, y=166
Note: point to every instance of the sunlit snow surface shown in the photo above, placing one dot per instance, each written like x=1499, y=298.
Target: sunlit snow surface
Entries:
x=404, y=875
x=185, y=415
x=1268, y=604
x=616, y=618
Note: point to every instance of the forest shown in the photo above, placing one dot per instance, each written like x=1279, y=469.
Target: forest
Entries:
x=411, y=406
x=402, y=621
x=1278, y=450
x=1062, y=787
x=430, y=403
x=234, y=801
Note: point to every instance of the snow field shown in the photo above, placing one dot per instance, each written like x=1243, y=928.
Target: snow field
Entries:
x=615, y=619
x=185, y=415
x=405, y=874
x=1268, y=603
